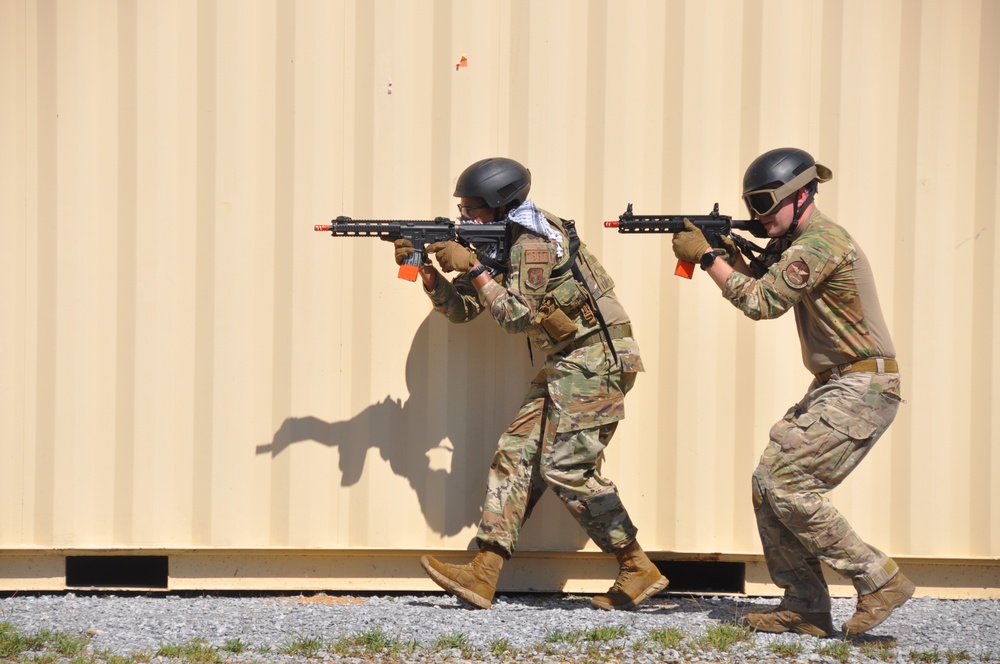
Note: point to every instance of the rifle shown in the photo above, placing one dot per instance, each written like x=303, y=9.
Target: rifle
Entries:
x=490, y=241
x=713, y=225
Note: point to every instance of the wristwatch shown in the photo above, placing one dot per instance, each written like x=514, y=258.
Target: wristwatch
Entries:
x=708, y=258
x=476, y=271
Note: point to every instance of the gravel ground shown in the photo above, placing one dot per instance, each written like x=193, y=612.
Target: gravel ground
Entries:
x=436, y=627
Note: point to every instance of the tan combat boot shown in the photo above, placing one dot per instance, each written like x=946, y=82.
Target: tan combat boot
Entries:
x=475, y=582
x=875, y=607
x=638, y=580
x=780, y=619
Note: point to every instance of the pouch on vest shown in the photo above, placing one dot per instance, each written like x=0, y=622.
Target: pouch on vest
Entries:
x=558, y=326
x=558, y=312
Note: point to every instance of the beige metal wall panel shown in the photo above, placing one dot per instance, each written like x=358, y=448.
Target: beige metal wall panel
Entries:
x=187, y=365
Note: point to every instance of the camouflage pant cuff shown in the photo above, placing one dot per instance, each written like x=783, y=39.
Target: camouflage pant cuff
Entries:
x=503, y=549
x=611, y=542
x=815, y=605
x=866, y=584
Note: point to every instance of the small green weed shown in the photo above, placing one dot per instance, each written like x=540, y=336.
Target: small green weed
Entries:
x=304, y=646
x=606, y=633
x=457, y=640
x=373, y=642
x=13, y=643
x=198, y=651
x=669, y=637
x=167, y=650
x=840, y=651
x=559, y=636
x=880, y=650
x=953, y=656
x=68, y=646
x=724, y=636
x=786, y=648
x=236, y=646
x=498, y=647
x=927, y=656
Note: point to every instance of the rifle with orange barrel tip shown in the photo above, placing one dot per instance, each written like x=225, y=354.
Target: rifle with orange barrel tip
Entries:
x=490, y=241
x=713, y=225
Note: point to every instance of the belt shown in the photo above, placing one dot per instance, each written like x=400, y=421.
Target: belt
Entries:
x=619, y=331
x=871, y=365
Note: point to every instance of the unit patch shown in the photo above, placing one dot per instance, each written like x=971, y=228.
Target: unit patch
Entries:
x=536, y=256
x=796, y=274
x=535, y=278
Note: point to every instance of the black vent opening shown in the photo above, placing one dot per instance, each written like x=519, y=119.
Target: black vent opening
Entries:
x=700, y=576
x=116, y=572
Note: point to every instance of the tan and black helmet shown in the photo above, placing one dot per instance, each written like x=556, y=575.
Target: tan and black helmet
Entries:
x=774, y=175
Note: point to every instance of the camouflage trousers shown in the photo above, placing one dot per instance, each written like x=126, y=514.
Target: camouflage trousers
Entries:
x=811, y=450
x=557, y=440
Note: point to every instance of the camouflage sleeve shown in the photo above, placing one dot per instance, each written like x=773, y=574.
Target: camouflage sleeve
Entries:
x=515, y=305
x=455, y=299
x=801, y=267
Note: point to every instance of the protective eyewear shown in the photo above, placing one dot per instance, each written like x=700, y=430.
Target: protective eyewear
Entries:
x=468, y=211
x=762, y=202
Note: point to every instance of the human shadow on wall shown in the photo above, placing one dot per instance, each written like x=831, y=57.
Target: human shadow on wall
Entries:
x=465, y=384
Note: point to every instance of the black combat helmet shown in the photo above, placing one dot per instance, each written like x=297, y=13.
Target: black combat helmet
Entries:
x=497, y=180
x=774, y=175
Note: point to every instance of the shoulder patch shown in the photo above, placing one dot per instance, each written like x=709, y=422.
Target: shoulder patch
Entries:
x=536, y=256
x=535, y=278
x=796, y=274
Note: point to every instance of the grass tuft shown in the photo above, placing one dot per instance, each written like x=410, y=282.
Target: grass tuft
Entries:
x=786, y=648
x=458, y=641
x=669, y=638
x=304, y=646
x=606, y=633
x=724, y=636
x=840, y=651
x=880, y=650
x=498, y=647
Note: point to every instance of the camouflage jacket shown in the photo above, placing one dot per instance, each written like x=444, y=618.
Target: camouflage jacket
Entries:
x=531, y=297
x=826, y=278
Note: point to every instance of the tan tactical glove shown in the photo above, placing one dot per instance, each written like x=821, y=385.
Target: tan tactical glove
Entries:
x=690, y=244
x=404, y=248
x=452, y=257
x=732, y=252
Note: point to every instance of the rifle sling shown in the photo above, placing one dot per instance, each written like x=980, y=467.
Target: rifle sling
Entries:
x=571, y=264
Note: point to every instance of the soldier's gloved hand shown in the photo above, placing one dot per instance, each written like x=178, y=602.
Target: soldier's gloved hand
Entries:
x=690, y=244
x=732, y=252
x=452, y=257
x=404, y=249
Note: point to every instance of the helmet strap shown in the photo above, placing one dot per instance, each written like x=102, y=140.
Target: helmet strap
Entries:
x=798, y=210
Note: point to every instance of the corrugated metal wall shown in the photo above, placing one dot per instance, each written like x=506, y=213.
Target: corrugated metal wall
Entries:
x=186, y=364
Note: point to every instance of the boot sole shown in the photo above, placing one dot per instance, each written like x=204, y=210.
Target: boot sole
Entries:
x=651, y=590
x=807, y=629
x=461, y=592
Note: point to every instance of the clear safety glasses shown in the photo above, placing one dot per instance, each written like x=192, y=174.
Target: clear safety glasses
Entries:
x=469, y=211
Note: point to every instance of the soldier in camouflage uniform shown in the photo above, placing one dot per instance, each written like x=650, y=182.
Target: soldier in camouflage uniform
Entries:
x=814, y=267
x=556, y=291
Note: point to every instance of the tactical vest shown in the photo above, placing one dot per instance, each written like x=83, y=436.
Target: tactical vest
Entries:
x=569, y=307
